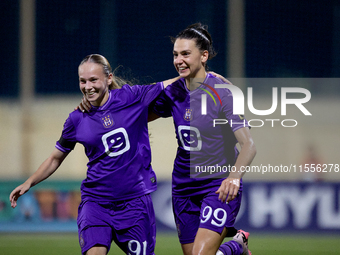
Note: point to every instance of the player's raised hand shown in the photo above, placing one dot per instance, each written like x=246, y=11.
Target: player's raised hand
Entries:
x=18, y=192
x=228, y=189
x=84, y=105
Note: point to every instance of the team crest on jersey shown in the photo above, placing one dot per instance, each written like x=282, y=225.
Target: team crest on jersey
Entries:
x=107, y=121
x=188, y=114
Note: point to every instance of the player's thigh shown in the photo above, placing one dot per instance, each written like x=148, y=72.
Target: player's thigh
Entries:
x=215, y=218
x=97, y=250
x=135, y=226
x=207, y=241
x=187, y=218
x=216, y=215
x=187, y=248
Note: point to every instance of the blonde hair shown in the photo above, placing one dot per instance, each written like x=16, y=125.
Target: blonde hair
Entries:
x=101, y=60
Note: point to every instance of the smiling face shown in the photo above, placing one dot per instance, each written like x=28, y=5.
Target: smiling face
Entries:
x=93, y=83
x=189, y=61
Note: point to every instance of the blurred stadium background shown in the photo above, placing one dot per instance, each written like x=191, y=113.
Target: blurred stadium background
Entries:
x=277, y=43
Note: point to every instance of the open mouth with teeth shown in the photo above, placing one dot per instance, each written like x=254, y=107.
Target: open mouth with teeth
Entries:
x=182, y=69
x=90, y=94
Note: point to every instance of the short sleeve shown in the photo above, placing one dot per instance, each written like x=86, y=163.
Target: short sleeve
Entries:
x=67, y=139
x=148, y=93
x=162, y=106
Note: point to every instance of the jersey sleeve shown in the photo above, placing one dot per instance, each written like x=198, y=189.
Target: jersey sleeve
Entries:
x=67, y=139
x=161, y=106
x=148, y=93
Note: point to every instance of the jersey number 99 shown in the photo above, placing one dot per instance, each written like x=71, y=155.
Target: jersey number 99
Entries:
x=218, y=216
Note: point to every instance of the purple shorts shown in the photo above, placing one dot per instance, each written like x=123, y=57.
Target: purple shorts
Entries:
x=130, y=224
x=203, y=211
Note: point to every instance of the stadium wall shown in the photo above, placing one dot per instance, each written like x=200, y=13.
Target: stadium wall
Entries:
x=280, y=207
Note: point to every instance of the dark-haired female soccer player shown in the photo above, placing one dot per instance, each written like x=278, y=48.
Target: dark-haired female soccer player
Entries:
x=205, y=205
x=116, y=204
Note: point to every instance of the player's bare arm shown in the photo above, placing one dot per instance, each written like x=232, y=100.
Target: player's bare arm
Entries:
x=48, y=167
x=230, y=186
x=85, y=105
x=170, y=81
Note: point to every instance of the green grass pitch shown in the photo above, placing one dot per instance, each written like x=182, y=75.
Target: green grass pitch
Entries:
x=167, y=244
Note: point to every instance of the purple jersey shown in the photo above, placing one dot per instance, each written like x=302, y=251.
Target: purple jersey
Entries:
x=116, y=141
x=202, y=146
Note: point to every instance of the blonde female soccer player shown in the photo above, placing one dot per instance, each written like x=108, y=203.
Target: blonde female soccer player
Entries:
x=116, y=203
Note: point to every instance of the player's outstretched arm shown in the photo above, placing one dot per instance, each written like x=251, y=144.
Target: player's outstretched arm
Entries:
x=48, y=167
x=85, y=105
x=170, y=81
x=230, y=186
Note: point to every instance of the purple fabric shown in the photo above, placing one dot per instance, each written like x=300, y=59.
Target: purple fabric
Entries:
x=131, y=224
x=203, y=211
x=116, y=141
x=200, y=144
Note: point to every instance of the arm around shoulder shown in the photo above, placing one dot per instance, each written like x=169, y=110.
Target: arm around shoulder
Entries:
x=170, y=81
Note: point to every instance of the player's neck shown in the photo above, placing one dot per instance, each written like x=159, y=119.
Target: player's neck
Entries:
x=194, y=83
